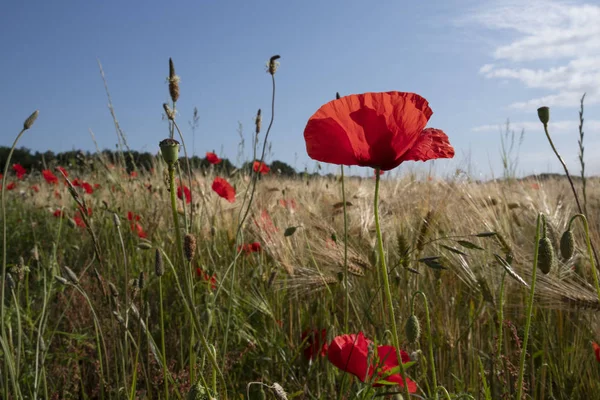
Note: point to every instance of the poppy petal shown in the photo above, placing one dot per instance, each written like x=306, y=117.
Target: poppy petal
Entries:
x=349, y=353
x=431, y=144
x=596, y=348
x=370, y=129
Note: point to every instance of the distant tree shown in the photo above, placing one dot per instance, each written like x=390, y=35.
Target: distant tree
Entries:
x=283, y=169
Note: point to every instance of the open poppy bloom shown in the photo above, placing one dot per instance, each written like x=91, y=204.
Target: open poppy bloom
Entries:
x=212, y=158
x=378, y=130
x=19, y=170
x=261, y=167
x=87, y=187
x=49, y=176
x=316, y=344
x=596, y=348
x=249, y=248
x=181, y=191
x=350, y=353
x=63, y=171
x=224, y=189
x=11, y=186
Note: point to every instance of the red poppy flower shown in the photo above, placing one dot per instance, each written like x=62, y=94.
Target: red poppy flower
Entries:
x=249, y=248
x=260, y=167
x=1, y=176
x=63, y=171
x=133, y=174
x=19, y=170
x=596, y=348
x=49, y=176
x=76, y=182
x=131, y=216
x=96, y=186
x=58, y=213
x=137, y=228
x=224, y=189
x=316, y=344
x=78, y=220
x=350, y=353
x=212, y=158
x=378, y=130
x=186, y=191
x=87, y=187
x=35, y=188
x=208, y=278
x=11, y=186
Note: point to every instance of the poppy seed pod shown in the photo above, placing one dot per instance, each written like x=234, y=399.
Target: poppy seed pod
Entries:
x=567, y=245
x=412, y=329
x=169, y=149
x=544, y=115
x=189, y=246
x=545, y=255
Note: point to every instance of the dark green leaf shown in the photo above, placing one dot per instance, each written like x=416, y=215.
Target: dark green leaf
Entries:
x=454, y=250
x=469, y=245
x=290, y=231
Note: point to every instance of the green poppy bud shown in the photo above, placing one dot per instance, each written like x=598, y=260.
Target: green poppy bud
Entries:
x=545, y=255
x=412, y=329
x=567, y=245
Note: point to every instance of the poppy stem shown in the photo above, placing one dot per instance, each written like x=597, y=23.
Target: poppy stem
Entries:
x=346, y=288
x=589, y=249
x=529, y=309
x=386, y=283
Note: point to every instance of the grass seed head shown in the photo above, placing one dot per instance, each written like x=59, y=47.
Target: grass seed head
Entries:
x=189, y=246
x=412, y=329
x=274, y=64
x=113, y=290
x=71, y=276
x=545, y=255
x=173, y=82
x=159, y=266
x=30, y=120
x=567, y=245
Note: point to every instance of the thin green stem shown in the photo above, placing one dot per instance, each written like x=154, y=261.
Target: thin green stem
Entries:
x=429, y=337
x=346, y=287
x=386, y=283
x=529, y=310
x=162, y=338
x=589, y=249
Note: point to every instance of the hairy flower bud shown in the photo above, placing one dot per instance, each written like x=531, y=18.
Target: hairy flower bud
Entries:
x=30, y=120
x=545, y=255
x=567, y=245
x=412, y=329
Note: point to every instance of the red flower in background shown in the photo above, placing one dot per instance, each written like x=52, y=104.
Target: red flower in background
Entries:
x=184, y=191
x=1, y=176
x=19, y=170
x=11, y=186
x=260, y=167
x=58, y=213
x=63, y=171
x=136, y=227
x=350, y=353
x=596, y=348
x=316, y=344
x=131, y=216
x=76, y=182
x=208, y=278
x=224, y=189
x=78, y=220
x=378, y=130
x=87, y=187
x=133, y=174
x=212, y=158
x=35, y=188
x=249, y=248
x=50, y=177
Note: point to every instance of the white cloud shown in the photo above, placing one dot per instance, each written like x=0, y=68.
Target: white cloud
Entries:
x=557, y=127
x=546, y=32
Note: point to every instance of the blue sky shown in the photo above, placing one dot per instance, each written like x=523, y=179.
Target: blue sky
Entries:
x=477, y=62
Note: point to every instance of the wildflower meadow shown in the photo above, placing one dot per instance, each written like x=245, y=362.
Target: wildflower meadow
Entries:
x=169, y=279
